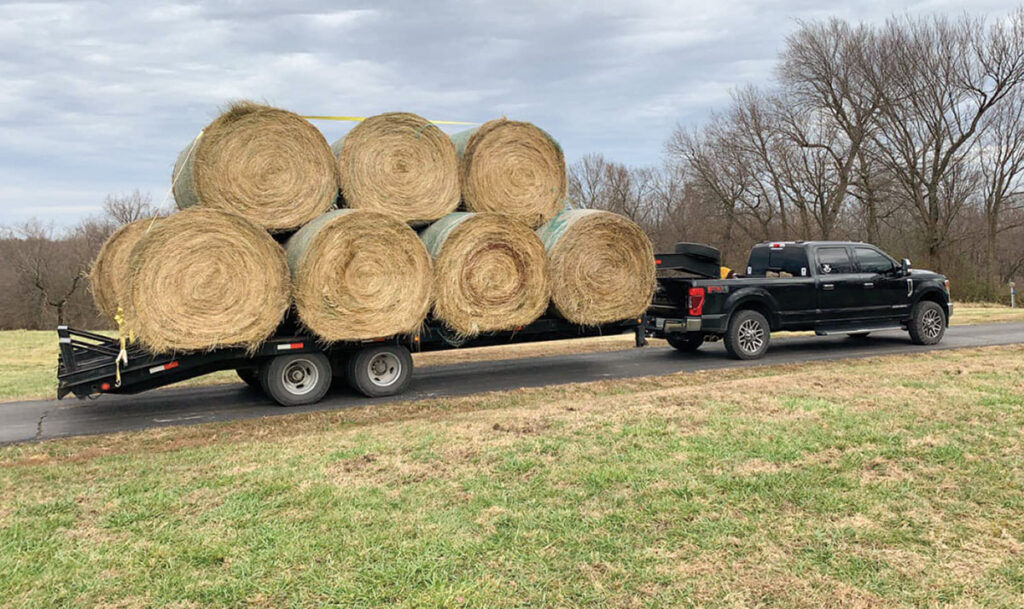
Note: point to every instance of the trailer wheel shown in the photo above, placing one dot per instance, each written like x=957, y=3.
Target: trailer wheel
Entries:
x=687, y=343
x=250, y=376
x=748, y=335
x=296, y=379
x=380, y=370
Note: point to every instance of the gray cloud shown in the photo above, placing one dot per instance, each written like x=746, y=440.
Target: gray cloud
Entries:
x=98, y=97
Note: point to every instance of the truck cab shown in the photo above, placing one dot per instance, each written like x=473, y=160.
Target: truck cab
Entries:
x=829, y=287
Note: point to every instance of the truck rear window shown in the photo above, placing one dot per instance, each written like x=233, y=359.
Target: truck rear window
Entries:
x=788, y=260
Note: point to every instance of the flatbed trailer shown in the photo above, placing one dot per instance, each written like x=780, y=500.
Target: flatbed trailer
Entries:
x=292, y=367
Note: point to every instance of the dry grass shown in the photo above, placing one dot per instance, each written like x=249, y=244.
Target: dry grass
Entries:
x=892, y=481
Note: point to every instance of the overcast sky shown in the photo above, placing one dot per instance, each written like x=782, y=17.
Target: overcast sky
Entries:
x=98, y=97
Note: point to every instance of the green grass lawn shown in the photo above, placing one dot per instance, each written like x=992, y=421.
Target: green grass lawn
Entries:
x=887, y=482
x=28, y=364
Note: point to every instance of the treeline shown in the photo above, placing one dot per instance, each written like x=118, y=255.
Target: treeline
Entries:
x=908, y=135
x=44, y=277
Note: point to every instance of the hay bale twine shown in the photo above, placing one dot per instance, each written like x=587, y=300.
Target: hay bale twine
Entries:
x=490, y=273
x=513, y=168
x=359, y=274
x=203, y=278
x=401, y=164
x=269, y=165
x=602, y=266
x=108, y=277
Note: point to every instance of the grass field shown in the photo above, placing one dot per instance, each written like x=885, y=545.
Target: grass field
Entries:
x=885, y=482
x=28, y=364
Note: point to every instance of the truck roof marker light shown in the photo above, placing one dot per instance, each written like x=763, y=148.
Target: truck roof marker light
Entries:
x=695, y=301
x=778, y=246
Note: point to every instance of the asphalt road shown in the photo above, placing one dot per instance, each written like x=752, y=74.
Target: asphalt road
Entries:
x=39, y=420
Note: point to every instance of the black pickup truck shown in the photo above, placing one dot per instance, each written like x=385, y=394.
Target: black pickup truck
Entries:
x=829, y=287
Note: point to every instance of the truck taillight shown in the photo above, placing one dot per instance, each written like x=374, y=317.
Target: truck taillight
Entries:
x=695, y=301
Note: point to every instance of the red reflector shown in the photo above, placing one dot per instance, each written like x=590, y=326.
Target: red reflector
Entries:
x=170, y=365
x=695, y=301
x=295, y=346
x=657, y=261
x=105, y=387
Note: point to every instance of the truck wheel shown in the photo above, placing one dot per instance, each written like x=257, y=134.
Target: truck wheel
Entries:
x=296, y=379
x=250, y=376
x=380, y=370
x=927, y=324
x=687, y=343
x=748, y=335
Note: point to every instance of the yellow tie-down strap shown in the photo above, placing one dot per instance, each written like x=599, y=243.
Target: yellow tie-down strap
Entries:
x=363, y=118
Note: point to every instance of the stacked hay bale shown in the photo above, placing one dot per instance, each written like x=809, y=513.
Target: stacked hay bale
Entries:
x=267, y=165
x=109, y=274
x=401, y=164
x=513, y=168
x=490, y=272
x=205, y=278
x=359, y=274
x=602, y=266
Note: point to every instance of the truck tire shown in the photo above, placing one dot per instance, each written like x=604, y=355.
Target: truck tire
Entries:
x=250, y=376
x=748, y=335
x=927, y=323
x=687, y=343
x=380, y=370
x=296, y=379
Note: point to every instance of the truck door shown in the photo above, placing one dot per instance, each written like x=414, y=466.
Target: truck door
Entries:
x=840, y=286
x=885, y=292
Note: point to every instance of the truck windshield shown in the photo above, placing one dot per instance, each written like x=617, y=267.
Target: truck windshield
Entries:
x=786, y=261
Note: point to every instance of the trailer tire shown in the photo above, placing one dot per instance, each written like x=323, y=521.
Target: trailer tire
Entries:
x=251, y=377
x=687, y=343
x=296, y=379
x=748, y=335
x=927, y=323
x=380, y=370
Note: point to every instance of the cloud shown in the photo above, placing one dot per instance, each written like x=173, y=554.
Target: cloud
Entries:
x=98, y=97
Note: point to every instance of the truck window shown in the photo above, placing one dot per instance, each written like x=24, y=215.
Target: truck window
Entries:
x=833, y=260
x=786, y=261
x=871, y=260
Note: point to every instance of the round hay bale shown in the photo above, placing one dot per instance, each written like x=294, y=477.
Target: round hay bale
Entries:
x=108, y=277
x=401, y=164
x=203, y=278
x=513, y=168
x=490, y=273
x=268, y=165
x=359, y=274
x=602, y=266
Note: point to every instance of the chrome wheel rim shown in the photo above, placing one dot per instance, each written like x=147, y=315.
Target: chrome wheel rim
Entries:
x=751, y=336
x=300, y=376
x=931, y=323
x=384, y=369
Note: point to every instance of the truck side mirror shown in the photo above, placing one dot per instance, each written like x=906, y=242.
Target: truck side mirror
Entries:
x=905, y=266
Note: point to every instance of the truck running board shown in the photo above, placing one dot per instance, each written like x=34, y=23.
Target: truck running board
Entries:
x=856, y=329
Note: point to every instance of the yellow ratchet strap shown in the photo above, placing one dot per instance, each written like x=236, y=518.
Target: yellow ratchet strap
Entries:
x=363, y=118
x=122, y=356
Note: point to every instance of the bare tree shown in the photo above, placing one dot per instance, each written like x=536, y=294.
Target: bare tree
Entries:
x=1001, y=163
x=941, y=77
x=129, y=207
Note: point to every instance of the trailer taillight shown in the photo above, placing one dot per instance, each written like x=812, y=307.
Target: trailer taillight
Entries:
x=695, y=301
